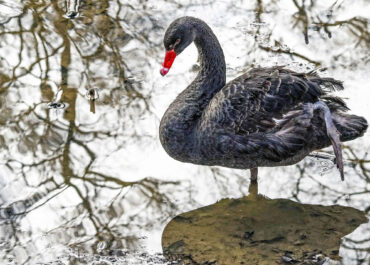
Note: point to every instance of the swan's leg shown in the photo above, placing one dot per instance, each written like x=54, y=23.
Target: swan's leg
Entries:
x=254, y=175
x=333, y=134
x=253, y=186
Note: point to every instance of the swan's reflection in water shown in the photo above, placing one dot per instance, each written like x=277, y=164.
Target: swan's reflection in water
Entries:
x=258, y=230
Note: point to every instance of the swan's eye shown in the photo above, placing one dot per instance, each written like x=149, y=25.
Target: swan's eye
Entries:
x=172, y=46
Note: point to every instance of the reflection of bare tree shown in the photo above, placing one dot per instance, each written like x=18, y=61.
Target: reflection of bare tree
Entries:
x=357, y=26
x=63, y=154
x=305, y=19
x=360, y=170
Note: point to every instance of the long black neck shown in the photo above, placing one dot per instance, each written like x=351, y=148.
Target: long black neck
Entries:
x=183, y=114
x=212, y=60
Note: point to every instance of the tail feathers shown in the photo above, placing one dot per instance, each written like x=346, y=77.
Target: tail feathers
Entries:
x=349, y=126
x=329, y=84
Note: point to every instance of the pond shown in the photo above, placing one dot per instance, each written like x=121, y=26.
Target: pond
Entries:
x=83, y=176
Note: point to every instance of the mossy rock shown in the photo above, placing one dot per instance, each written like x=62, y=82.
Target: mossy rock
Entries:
x=258, y=230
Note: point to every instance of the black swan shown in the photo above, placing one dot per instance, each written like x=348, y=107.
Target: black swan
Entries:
x=264, y=118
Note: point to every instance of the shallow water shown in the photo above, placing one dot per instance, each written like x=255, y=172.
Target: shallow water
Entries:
x=83, y=177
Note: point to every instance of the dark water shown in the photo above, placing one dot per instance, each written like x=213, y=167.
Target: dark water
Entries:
x=83, y=178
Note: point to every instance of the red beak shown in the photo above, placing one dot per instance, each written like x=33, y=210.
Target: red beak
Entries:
x=168, y=60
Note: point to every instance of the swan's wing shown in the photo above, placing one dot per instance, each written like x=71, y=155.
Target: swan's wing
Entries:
x=264, y=111
x=255, y=101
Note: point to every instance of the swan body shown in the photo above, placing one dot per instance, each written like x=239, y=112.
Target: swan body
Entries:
x=266, y=117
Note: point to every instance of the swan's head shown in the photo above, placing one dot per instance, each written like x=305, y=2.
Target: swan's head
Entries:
x=179, y=35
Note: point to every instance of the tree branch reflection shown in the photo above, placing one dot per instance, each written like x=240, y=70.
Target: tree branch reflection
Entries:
x=60, y=156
